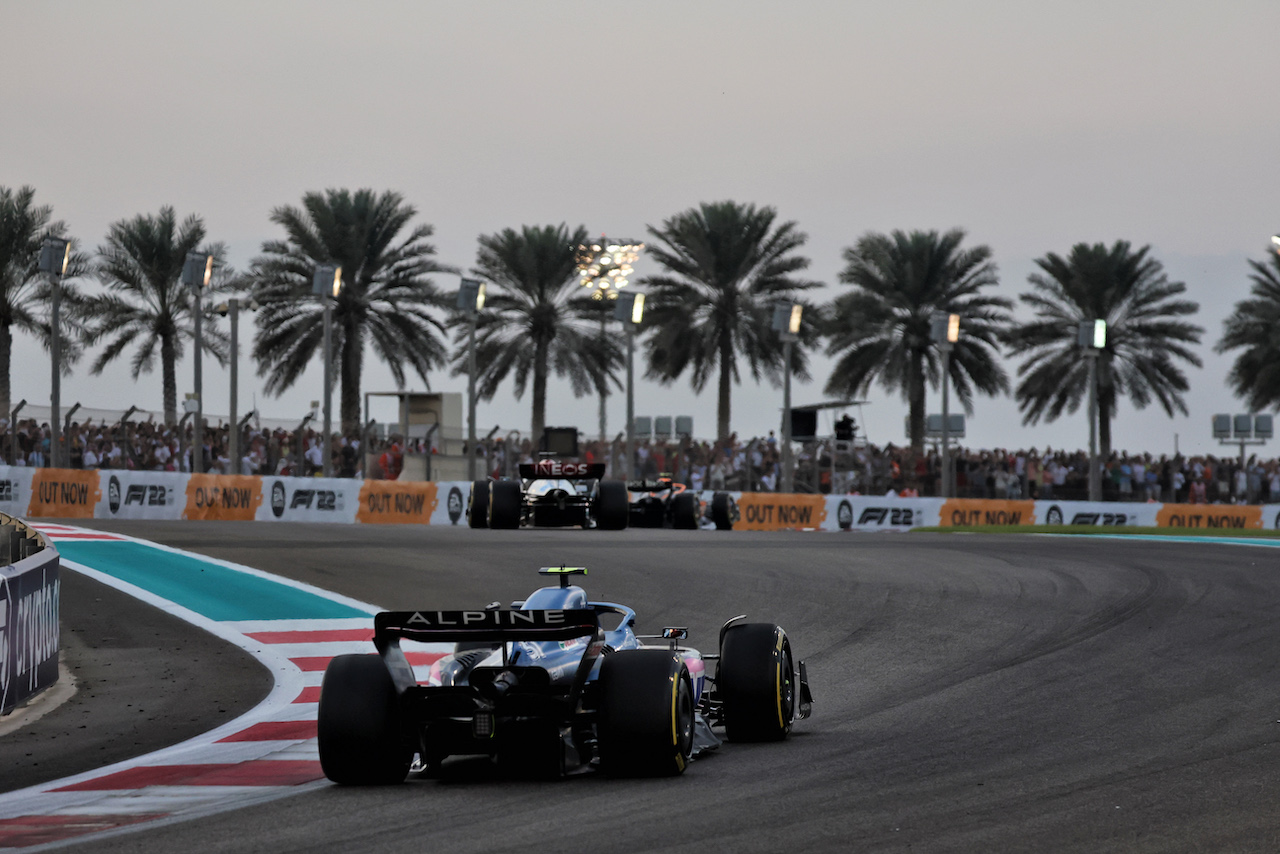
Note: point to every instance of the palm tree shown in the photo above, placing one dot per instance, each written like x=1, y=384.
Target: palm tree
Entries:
x=23, y=289
x=1255, y=327
x=147, y=305
x=728, y=264
x=386, y=297
x=535, y=322
x=881, y=329
x=1145, y=334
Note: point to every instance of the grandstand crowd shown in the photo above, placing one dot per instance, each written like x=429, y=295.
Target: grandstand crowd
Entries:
x=751, y=466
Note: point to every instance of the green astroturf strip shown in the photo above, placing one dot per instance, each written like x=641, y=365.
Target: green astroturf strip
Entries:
x=209, y=589
x=1177, y=538
x=1190, y=534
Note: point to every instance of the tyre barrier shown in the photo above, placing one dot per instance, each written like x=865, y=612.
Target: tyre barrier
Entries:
x=29, y=611
x=117, y=494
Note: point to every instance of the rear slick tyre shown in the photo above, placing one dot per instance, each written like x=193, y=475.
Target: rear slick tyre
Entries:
x=756, y=682
x=722, y=511
x=684, y=511
x=613, y=505
x=359, y=726
x=478, y=504
x=646, y=714
x=504, y=504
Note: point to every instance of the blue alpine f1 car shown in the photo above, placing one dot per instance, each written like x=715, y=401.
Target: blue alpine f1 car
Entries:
x=546, y=687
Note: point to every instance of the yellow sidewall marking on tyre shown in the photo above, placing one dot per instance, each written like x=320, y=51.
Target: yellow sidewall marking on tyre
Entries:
x=777, y=648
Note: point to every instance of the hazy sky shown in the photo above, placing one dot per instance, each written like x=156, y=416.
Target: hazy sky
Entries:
x=1033, y=126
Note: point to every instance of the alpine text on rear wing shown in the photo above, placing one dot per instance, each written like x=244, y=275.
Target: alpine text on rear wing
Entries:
x=498, y=625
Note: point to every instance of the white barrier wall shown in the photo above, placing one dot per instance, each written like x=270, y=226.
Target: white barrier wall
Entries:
x=113, y=494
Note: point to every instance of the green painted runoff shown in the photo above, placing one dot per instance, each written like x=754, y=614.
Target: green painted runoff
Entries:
x=212, y=590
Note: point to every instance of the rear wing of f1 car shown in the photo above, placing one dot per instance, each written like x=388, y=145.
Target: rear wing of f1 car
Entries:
x=499, y=626
x=561, y=470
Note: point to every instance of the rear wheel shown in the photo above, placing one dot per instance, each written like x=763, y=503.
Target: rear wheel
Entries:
x=504, y=504
x=646, y=714
x=756, y=682
x=684, y=511
x=723, y=511
x=478, y=504
x=361, y=735
x=613, y=505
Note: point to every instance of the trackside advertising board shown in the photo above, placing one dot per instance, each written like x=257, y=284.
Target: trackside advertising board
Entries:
x=879, y=513
x=1106, y=513
x=64, y=493
x=15, y=490
x=770, y=511
x=118, y=494
x=141, y=495
x=301, y=499
x=29, y=636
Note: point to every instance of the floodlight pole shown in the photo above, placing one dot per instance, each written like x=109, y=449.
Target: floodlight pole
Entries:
x=1092, y=338
x=631, y=401
x=196, y=272
x=233, y=312
x=1095, y=476
x=326, y=452
x=197, y=447
x=945, y=347
x=605, y=267
x=786, y=322
x=55, y=252
x=471, y=398
x=944, y=329
x=787, y=459
x=55, y=389
x=326, y=284
x=471, y=295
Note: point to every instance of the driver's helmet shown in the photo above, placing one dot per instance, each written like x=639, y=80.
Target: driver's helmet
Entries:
x=554, y=598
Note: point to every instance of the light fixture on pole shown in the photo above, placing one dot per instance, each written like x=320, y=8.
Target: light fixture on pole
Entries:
x=1092, y=338
x=327, y=284
x=944, y=329
x=786, y=322
x=55, y=254
x=196, y=272
x=471, y=303
x=605, y=266
x=630, y=310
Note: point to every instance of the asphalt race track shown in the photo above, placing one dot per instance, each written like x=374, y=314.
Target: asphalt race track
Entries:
x=972, y=693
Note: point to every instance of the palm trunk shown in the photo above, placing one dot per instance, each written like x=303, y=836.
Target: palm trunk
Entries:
x=726, y=386
x=1106, y=406
x=6, y=352
x=168, y=370
x=915, y=401
x=1104, y=431
x=349, y=377
x=539, y=392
